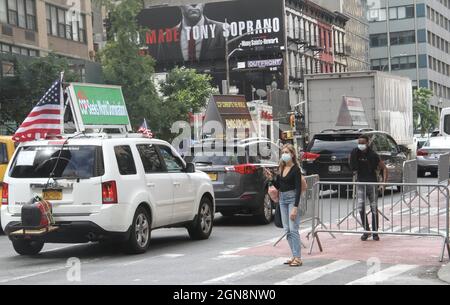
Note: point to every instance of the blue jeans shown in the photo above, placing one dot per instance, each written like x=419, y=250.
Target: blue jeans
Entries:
x=287, y=202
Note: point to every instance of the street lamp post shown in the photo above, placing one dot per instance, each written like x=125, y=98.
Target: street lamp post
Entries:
x=227, y=56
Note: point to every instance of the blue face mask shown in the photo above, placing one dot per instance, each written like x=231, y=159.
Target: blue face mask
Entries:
x=286, y=157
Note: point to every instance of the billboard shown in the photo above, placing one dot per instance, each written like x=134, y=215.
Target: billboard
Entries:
x=198, y=32
x=98, y=106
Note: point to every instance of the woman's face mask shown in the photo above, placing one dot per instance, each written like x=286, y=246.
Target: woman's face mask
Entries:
x=286, y=157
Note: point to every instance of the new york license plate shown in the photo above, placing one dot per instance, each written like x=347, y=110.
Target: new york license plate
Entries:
x=52, y=195
x=212, y=176
x=334, y=169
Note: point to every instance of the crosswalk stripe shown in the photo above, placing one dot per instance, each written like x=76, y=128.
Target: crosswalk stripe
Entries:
x=317, y=273
x=246, y=272
x=383, y=275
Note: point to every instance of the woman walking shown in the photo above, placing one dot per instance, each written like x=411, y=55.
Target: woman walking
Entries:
x=290, y=184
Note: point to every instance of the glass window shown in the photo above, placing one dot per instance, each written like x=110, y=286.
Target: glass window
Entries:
x=22, y=21
x=173, y=163
x=54, y=20
x=150, y=159
x=401, y=12
x=125, y=160
x=3, y=154
x=31, y=15
x=72, y=162
x=75, y=27
x=3, y=12
x=393, y=13
x=382, y=15
x=61, y=23
x=12, y=12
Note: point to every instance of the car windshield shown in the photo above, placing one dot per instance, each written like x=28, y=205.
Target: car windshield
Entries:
x=333, y=144
x=71, y=162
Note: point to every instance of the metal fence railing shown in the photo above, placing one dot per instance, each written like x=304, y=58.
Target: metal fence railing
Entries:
x=414, y=210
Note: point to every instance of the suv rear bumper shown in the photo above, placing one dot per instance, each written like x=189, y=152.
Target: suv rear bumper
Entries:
x=247, y=202
x=73, y=232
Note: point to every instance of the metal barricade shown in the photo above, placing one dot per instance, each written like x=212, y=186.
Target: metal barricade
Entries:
x=423, y=216
x=443, y=170
x=307, y=205
x=409, y=192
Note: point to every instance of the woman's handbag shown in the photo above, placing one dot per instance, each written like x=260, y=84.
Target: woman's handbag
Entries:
x=277, y=217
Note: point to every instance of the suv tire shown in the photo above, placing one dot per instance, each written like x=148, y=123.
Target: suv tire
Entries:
x=27, y=247
x=140, y=234
x=264, y=214
x=202, y=225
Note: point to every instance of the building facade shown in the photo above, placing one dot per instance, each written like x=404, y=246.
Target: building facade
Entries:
x=35, y=28
x=315, y=43
x=356, y=29
x=411, y=38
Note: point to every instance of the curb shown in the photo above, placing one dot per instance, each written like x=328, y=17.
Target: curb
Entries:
x=444, y=273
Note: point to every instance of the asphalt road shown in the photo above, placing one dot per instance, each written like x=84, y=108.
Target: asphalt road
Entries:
x=226, y=258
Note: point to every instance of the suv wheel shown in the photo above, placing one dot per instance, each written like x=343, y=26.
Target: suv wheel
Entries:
x=202, y=225
x=27, y=247
x=265, y=213
x=140, y=232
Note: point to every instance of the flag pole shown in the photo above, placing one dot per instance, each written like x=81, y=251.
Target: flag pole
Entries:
x=62, y=101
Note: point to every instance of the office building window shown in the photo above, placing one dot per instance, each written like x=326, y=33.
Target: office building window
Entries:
x=61, y=23
x=20, y=13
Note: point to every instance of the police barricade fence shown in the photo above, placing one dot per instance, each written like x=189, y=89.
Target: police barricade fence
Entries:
x=403, y=209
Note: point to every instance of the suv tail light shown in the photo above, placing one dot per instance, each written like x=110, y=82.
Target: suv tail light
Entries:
x=422, y=153
x=5, y=193
x=243, y=169
x=310, y=157
x=109, y=192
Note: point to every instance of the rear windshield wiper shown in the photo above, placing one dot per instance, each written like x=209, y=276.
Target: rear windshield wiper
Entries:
x=207, y=163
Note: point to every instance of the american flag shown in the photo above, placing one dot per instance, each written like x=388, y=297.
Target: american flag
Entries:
x=145, y=130
x=45, y=118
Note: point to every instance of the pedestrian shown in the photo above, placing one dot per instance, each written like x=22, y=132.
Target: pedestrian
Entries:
x=290, y=184
x=366, y=163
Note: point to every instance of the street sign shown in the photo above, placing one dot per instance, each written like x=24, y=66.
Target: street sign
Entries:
x=98, y=107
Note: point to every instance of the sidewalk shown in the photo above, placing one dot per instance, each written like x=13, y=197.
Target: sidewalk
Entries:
x=444, y=274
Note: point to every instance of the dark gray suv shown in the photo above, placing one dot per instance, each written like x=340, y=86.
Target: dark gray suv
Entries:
x=237, y=172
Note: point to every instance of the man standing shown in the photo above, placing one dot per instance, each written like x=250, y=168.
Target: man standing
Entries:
x=365, y=162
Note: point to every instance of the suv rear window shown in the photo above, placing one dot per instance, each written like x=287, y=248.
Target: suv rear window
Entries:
x=125, y=160
x=334, y=144
x=74, y=162
x=215, y=157
x=3, y=154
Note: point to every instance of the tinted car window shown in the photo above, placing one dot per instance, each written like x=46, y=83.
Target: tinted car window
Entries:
x=70, y=162
x=125, y=160
x=150, y=159
x=334, y=144
x=3, y=154
x=173, y=163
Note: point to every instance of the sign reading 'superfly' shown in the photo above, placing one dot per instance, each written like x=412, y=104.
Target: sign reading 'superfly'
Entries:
x=198, y=32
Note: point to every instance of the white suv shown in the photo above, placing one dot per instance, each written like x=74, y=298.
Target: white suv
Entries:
x=106, y=188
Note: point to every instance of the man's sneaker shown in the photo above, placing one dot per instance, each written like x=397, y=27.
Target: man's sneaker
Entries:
x=365, y=237
x=376, y=237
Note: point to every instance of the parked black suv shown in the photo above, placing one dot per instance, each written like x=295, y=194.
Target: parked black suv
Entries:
x=327, y=155
x=236, y=170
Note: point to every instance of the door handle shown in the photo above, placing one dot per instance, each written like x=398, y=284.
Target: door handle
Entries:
x=151, y=184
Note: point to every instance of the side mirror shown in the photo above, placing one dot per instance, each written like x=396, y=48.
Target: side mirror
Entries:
x=190, y=168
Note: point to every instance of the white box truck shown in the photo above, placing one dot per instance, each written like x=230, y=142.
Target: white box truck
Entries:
x=360, y=100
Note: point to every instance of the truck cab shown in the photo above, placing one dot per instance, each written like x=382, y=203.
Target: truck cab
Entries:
x=445, y=122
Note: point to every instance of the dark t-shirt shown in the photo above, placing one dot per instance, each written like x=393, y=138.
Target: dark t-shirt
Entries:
x=365, y=164
x=292, y=182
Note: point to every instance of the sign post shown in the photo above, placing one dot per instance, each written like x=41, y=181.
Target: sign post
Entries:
x=98, y=107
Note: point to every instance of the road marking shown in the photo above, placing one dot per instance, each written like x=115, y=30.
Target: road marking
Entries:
x=246, y=272
x=171, y=255
x=383, y=275
x=317, y=273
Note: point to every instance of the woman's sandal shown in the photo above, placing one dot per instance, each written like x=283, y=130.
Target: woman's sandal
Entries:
x=296, y=262
x=289, y=261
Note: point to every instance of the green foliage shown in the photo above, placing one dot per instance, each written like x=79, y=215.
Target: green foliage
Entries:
x=425, y=119
x=32, y=79
x=123, y=65
x=184, y=91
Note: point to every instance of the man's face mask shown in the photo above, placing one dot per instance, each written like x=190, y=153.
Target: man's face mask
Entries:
x=362, y=147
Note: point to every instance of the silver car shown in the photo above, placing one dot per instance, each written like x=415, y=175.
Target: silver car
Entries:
x=428, y=155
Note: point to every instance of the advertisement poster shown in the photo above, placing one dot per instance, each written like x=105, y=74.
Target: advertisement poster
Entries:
x=198, y=32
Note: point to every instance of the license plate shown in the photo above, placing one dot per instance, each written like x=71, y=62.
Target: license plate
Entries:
x=212, y=176
x=52, y=195
x=334, y=169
